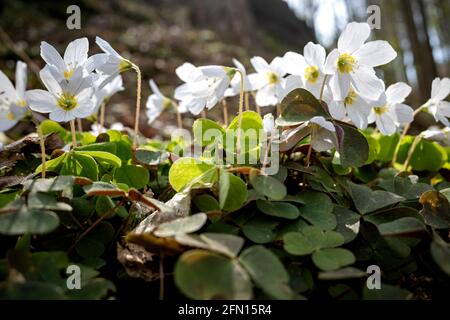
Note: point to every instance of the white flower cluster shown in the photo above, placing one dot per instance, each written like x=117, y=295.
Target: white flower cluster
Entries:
x=345, y=80
x=77, y=85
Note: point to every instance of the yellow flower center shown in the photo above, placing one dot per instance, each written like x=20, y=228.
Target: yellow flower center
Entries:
x=21, y=103
x=350, y=97
x=311, y=74
x=68, y=74
x=10, y=116
x=272, y=77
x=380, y=110
x=67, y=101
x=124, y=65
x=167, y=103
x=346, y=63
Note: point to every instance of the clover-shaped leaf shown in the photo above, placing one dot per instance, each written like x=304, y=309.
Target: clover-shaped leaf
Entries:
x=311, y=239
x=332, y=259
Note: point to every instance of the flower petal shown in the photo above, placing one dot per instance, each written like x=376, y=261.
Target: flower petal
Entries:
x=404, y=113
x=331, y=62
x=337, y=110
x=440, y=88
x=52, y=57
x=49, y=80
x=187, y=72
x=95, y=61
x=294, y=63
x=266, y=96
x=107, y=48
x=260, y=65
x=6, y=88
x=21, y=79
x=386, y=124
x=353, y=37
x=41, y=100
x=76, y=53
x=397, y=92
x=366, y=83
x=314, y=54
x=155, y=88
x=375, y=53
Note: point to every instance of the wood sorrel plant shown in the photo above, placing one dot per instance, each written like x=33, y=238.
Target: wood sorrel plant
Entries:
x=293, y=206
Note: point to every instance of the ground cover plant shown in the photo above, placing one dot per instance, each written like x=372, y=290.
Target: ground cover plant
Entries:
x=304, y=203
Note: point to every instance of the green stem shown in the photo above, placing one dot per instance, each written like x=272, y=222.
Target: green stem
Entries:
x=413, y=147
x=72, y=130
x=241, y=110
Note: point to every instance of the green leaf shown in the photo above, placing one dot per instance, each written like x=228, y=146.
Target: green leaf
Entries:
x=278, y=209
x=403, y=226
x=59, y=183
x=260, y=229
x=28, y=221
x=99, y=188
x=268, y=186
x=250, y=120
x=226, y=244
x=206, y=203
x=386, y=292
x=232, y=191
x=310, y=239
x=187, y=171
x=49, y=126
x=103, y=157
x=367, y=200
x=205, y=275
x=132, y=175
x=206, y=131
x=299, y=106
x=352, y=146
x=183, y=225
x=403, y=187
x=88, y=248
x=267, y=271
x=332, y=259
x=347, y=223
x=149, y=158
x=440, y=251
x=45, y=201
x=317, y=210
x=109, y=147
x=344, y=273
x=53, y=164
x=374, y=148
x=388, y=144
x=80, y=165
x=428, y=155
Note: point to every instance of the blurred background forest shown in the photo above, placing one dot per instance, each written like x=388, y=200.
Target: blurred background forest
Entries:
x=159, y=35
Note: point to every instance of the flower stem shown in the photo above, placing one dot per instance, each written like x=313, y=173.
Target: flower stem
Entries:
x=225, y=112
x=204, y=114
x=413, y=147
x=138, y=104
x=42, y=145
x=247, y=102
x=241, y=110
x=179, y=118
x=403, y=135
x=72, y=129
x=161, y=276
x=102, y=115
x=80, y=125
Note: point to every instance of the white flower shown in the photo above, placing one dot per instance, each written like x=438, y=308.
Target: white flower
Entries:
x=268, y=80
x=323, y=134
x=156, y=103
x=437, y=134
x=235, y=88
x=13, y=103
x=204, y=87
x=353, y=106
x=353, y=61
x=64, y=100
x=97, y=129
x=308, y=69
x=440, y=109
x=107, y=91
x=268, y=123
x=75, y=56
x=115, y=63
x=389, y=112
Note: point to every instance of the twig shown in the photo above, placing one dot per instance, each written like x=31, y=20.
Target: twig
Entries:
x=9, y=43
